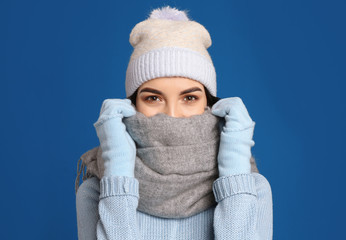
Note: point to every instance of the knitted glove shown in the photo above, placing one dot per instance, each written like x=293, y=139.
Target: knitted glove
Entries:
x=118, y=148
x=236, y=137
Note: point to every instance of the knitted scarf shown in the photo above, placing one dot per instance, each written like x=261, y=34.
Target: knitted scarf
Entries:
x=176, y=162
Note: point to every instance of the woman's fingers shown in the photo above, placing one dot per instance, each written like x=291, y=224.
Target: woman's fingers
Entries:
x=117, y=107
x=234, y=112
x=224, y=106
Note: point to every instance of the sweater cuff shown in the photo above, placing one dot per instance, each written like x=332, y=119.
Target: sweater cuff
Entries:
x=227, y=186
x=118, y=185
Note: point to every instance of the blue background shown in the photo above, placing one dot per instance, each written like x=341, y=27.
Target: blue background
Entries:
x=285, y=59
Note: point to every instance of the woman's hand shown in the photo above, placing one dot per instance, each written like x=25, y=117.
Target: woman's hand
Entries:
x=236, y=136
x=118, y=148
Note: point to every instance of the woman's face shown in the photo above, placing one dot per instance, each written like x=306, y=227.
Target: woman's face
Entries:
x=174, y=96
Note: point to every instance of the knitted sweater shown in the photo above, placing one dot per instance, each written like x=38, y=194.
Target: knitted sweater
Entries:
x=107, y=209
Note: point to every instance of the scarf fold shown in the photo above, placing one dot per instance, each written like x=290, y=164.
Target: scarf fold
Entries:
x=176, y=162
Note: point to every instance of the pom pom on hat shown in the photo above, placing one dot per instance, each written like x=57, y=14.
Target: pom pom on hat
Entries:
x=169, y=44
x=169, y=13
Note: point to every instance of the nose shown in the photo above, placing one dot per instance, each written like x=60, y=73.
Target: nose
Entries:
x=173, y=110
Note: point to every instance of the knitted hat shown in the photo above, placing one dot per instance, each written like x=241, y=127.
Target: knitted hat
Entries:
x=169, y=44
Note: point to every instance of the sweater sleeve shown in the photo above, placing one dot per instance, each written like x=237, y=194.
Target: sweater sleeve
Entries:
x=108, y=212
x=87, y=200
x=244, y=209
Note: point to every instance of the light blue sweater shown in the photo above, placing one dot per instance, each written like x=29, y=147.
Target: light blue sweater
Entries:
x=107, y=209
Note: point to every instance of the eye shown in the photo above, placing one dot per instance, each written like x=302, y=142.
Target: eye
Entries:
x=150, y=99
x=191, y=98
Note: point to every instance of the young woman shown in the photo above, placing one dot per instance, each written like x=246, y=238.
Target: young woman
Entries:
x=174, y=160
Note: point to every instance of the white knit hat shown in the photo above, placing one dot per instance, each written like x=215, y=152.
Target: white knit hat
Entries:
x=169, y=44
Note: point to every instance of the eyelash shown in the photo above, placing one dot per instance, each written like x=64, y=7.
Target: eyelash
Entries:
x=195, y=98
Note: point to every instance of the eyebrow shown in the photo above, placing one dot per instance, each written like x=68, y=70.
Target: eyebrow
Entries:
x=152, y=90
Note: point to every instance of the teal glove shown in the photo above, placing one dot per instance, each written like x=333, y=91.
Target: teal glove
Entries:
x=236, y=136
x=118, y=148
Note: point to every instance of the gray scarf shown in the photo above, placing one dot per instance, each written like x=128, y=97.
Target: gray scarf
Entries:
x=176, y=162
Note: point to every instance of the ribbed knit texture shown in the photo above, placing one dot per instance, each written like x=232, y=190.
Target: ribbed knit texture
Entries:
x=106, y=209
x=170, y=62
x=169, y=44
